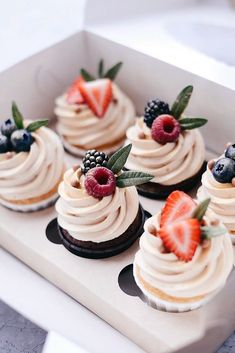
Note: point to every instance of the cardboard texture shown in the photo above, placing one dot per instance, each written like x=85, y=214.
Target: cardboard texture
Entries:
x=34, y=84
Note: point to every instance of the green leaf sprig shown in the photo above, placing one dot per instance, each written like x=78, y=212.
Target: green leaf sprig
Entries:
x=17, y=116
x=181, y=102
x=178, y=108
x=19, y=120
x=128, y=178
x=207, y=232
x=110, y=73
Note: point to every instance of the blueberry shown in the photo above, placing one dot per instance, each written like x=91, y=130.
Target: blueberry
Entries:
x=224, y=170
x=8, y=127
x=4, y=144
x=230, y=152
x=21, y=140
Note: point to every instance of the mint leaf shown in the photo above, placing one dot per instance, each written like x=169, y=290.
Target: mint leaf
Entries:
x=118, y=159
x=36, y=125
x=87, y=77
x=212, y=232
x=18, y=117
x=192, y=123
x=131, y=178
x=101, y=68
x=113, y=71
x=200, y=210
x=181, y=102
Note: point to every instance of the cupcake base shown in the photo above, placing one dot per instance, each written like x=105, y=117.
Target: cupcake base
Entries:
x=159, y=191
x=31, y=207
x=92, y=250
x=158, y=300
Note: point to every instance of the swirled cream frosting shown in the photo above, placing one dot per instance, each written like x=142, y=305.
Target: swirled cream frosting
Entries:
x=170, y=163
x=83, y=130
x=222, y=198
x=29, y=175
x=203, y=275
x=89, y=219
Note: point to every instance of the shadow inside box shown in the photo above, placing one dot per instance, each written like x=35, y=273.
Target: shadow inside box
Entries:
x=55, y=234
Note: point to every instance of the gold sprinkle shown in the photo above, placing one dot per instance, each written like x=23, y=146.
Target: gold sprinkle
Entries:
x=215, y=222
x=75, y=182
x=211, y=164
x=141, y=135
x=152, y=229
x=206, y=243
x=75, y=167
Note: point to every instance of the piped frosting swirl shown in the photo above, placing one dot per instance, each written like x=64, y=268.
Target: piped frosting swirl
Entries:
x=83, y=130
x=203, y=275
x=89, y=219
x=27, y=175
x=222, y=198
x=170, y=163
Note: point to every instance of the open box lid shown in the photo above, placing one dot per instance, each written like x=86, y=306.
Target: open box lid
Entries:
x=194, y=35
x=184, y=33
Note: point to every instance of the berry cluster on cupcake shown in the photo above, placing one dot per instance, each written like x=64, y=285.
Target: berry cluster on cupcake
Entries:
x=185, y=255
x=98, y=210
x=31, y=163
x=218, y=183
x=94, y=113
x=168, y=144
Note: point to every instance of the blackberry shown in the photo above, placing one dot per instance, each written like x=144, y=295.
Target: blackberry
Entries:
x=153, y=109
x=94, y=159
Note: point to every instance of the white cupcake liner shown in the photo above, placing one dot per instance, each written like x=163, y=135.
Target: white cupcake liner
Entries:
x=41, y=205
x=232, y=236
x=79, y=152
x=172, y=307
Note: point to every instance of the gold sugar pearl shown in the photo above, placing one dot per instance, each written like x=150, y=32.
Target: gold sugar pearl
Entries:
x=233, y=181
x=206, y=243
x=141, y=135
x=211, y=164
x=215, y=222
x=74, y=181
x=152, y=229
x=76, y=167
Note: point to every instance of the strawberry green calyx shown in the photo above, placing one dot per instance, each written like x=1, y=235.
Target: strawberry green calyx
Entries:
x=110, y=73
x=207, y=232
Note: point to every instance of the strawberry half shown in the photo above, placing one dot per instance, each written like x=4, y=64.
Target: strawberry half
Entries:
x=97, y=94
x=179, y=206
x=182, y=238
x=73, y=94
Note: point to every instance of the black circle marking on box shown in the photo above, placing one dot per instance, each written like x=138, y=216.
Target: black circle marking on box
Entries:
x=127, y=283
x=52, y=232
x=147, y=214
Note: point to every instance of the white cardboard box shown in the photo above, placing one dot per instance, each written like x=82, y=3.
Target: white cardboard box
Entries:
x=34, y=84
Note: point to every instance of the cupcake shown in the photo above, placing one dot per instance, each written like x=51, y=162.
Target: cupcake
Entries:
x=168, y=145
x=98, y=210
x=31, y=163
x=218, y=183
x=185, y=256
x=94, y=113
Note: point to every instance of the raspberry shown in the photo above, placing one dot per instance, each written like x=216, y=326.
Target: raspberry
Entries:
x=165, y=129
x=100, y=182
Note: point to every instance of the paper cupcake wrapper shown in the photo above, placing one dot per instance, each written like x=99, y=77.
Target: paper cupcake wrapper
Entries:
x=171, y=307
x=41, y=205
